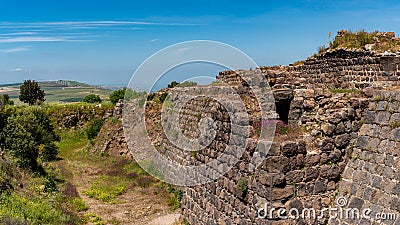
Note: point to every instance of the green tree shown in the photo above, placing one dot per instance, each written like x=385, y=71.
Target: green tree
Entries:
x=115, y=96
x=31, y=93
x=28, y=135
x=5, y=100
x=20, y=143
x=172, y=84
x=92, y=98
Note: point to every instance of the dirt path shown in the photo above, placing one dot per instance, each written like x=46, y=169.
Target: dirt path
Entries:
x=139, y=206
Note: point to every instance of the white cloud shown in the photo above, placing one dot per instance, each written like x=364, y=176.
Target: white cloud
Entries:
x=37, y=39
x=16, y=70
x=19, y=33
x=11, y=50
x=153, y=40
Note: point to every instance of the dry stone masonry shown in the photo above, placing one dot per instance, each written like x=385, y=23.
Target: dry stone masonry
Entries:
x=350, y=122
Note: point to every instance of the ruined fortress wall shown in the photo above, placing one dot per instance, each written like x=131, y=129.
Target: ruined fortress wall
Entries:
x=337, y=69
x=299, y=171
x=348, y=149
x=371, y=178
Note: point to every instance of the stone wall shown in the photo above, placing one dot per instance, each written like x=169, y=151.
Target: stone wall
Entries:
x=337, y=69
x=300, y=171
x=338, y=142
x=371, y=178
x=347, y=147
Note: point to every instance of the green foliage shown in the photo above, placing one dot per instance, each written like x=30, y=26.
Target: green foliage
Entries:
x=92, y=98
x=35, y=210
x=187, y=84
x=31, y=93
x=242, y=186
x=28, y=134
x=117, y=95
x=94, y=219
x=80, y=204
x=358, y=40
x=175, y=197
x=163, y=96
x=173, y=84
x=322, y=49
x=49, y=184
x=106, y=188
x=94, y=128
x=5, y=100
x=132, y=94
x=7, y=174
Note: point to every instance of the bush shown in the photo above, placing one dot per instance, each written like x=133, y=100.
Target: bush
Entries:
x=94, y=128
x=176, y=197
x=29, y=134
x=117, y=95
x=92, y=98
x=5, y=100
x=31, y=93
x=34, y=210
x=173, y=84
x=242, y=186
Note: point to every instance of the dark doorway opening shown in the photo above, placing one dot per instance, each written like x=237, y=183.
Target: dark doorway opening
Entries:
x=283, y=108
x=283, y=98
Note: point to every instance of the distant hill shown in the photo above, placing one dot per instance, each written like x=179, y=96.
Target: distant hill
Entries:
x=60, y=91
x=63, y=83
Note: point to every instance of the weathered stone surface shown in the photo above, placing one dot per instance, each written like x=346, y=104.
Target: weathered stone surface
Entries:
x=342, y=140
x=328, y=129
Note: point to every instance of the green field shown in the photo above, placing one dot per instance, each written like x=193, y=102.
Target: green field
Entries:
x=59, y=94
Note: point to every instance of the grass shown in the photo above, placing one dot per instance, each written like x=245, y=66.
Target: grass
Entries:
x=358, y=39
x=107, y=188
x=79, y=204
x=175, y=197
x=94, y=219
x=35, y=210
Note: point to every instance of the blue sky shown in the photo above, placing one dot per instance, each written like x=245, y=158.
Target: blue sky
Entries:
x=103, y=42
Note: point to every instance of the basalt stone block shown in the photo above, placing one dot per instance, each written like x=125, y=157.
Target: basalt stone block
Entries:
x=342, y=140
x=289, y=148
x=369, y=117
x=335, y=118
x=362, y=141
x=294, y=176
x=311, y=173
x=395, y=134
x=312, y=159
x=328, y=129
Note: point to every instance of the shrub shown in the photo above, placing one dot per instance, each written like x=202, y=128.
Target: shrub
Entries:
x=20, y=143
x=187, y=84
x=92, y=98
x=173, y=84
x=175, y=198
x=115, y=96
x=5, y=100
x=49, y=184
x=34, y=210
x=29, y=134
x=94, y=128
x=31, y=93
x=242, y=186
